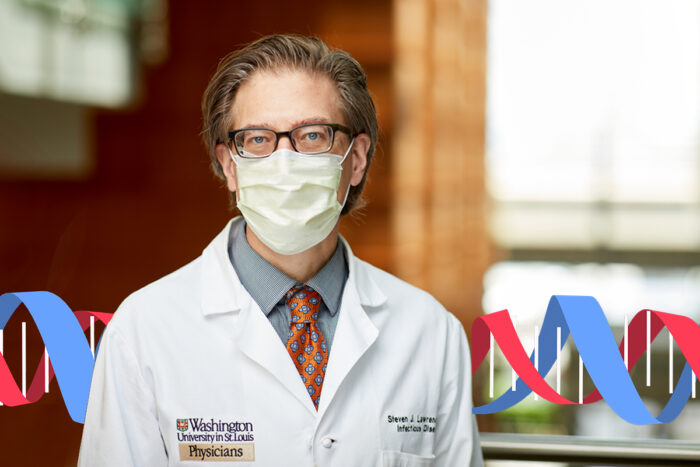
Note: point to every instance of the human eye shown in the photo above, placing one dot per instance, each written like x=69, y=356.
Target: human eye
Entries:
x=313, y=138
x=256, y=137
x=259, y=142
x=313, y=133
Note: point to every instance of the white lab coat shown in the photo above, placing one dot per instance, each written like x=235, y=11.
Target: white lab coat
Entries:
x=194, y=349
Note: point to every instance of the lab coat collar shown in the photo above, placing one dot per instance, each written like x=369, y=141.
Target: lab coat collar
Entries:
x=367, y=290
x=222, y=290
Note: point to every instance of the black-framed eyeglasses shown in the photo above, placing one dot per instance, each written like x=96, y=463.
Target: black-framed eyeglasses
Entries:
x=310, y=139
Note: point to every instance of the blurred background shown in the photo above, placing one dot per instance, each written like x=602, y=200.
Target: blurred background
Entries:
x=526, y=149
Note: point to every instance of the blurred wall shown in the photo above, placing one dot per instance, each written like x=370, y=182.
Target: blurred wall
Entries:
x=440, y=239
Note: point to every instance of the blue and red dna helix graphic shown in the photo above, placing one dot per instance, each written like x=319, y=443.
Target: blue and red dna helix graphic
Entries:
x=72, y=362
x=583, y=319
x=62, y=332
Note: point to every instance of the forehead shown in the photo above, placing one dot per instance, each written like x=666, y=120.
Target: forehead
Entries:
x=285, y=98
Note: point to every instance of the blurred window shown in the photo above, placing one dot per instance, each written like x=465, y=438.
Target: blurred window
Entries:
x=59, y=57
x=593, y=169
x=593, y=136
x=73, y=50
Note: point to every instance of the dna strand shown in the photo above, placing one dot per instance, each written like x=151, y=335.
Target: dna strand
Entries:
x=607, y=364
x=71, y=356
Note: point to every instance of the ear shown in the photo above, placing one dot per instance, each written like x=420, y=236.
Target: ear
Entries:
x=223, y=154
x=358, y=155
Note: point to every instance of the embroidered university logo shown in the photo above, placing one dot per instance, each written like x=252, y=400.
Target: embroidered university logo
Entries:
x=181, y=424
x=215, y=440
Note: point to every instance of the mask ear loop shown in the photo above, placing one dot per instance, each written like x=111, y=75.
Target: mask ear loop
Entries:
x=345, y=200
x=347, y=190
x=346, y=152
x=233, y=158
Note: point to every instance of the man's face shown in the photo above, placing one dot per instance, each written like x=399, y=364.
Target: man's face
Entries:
x=285, y=99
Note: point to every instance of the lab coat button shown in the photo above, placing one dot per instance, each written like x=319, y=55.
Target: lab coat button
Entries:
x=327, y=443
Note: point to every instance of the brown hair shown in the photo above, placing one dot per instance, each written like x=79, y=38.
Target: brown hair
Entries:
x=297, y=53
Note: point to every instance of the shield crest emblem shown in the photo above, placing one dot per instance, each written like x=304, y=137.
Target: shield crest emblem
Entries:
x=181, y=424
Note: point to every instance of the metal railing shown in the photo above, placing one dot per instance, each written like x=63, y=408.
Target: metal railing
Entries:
x=575, y=449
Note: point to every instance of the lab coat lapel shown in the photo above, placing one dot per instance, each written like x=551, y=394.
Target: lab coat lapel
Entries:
x=355, y=331
x=222, y=292
x=257, y=339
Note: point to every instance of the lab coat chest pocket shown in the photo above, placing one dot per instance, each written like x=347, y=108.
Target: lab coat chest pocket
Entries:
x=404, y=459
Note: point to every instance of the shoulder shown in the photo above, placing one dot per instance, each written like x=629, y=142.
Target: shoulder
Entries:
x=390, y=285
x=175, y=300
x=160, y=303
x=405, y=301
x=411, y=323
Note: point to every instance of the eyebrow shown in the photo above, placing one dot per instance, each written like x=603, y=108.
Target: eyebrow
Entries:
x=317, y=119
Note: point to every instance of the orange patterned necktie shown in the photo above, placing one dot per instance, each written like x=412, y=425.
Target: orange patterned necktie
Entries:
x=305, y=344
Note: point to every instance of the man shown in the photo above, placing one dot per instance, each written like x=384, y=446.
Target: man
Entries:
x=277, y=346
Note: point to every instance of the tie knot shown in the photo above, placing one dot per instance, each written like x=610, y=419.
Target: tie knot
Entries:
x=303, y=303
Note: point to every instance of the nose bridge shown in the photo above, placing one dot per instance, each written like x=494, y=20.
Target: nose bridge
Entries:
x=284, y=140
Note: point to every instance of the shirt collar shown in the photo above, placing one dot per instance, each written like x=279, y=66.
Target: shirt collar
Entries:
x=330, y=280
x=267, y=285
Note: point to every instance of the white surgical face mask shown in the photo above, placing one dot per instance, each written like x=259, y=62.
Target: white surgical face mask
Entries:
x=290, y=200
